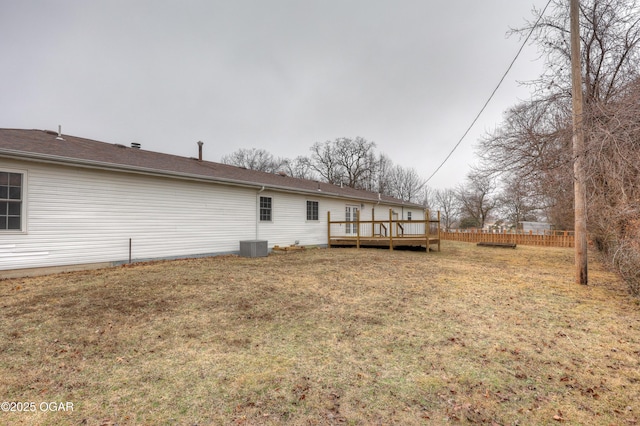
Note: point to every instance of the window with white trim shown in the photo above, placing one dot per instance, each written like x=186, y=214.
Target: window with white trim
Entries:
x=312, y=210
x=408, y=215
x=11, y=201
x=265, y=209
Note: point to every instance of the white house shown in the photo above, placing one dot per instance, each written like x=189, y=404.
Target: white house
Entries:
x=66, y=201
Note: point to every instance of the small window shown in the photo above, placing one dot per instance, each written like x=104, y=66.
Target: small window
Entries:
x=409, y=215
x=265, y=209
x=11, y=193
x=312, y=210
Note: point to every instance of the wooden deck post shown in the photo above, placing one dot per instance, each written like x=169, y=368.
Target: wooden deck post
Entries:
x=427, y=225
x=373, y=222
x=328, y=229
x=358, y=229
x=438, y=230
x=391, y=229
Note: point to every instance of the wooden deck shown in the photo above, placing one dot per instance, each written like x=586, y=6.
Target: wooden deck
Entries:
x=390, y=233
x=384, y=241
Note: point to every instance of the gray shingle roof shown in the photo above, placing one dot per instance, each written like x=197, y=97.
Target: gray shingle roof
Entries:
x=44, y=145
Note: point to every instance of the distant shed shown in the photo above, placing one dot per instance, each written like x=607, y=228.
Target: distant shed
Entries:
x=534, y=226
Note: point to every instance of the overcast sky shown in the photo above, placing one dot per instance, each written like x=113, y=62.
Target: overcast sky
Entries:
x=409, y=75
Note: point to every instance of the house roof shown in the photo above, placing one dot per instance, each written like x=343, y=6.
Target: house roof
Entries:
x=46, y=146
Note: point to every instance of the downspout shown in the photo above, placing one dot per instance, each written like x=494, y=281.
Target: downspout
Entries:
x=258, y=209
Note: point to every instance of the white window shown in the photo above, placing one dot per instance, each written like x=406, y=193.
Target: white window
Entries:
x=12, y=185
x=312, y=210
x=265, y=209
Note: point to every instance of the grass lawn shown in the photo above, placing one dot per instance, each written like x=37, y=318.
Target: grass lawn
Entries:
x=339, y=336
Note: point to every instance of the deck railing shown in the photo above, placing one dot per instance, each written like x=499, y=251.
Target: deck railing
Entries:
x=426, y=231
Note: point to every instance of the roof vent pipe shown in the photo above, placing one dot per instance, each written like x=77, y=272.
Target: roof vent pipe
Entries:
x=200, y=143
x=59, y=137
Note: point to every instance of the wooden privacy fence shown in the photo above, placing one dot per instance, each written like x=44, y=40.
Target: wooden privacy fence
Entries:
x=527, y=238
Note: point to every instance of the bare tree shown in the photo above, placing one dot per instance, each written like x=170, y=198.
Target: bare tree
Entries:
x=381, y=175
x=447, y=203
x=533, y=146
x=325, y=163
x=344, y=161
x=369, y=180
x=614, y=184
x=534, y=141
x=405, y=184
x=476, y=199
x=299, y=167
x=353, y=156
x=253, y=159
x=427, y=197
x=517, y=202
x=614, y=169
x=610, y=33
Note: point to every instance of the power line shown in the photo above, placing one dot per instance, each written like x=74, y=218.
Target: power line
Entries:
x=492, y=93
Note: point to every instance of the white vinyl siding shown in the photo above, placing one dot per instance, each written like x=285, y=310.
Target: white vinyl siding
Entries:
x=290, y=224
x=77, y=215
x=87, y=216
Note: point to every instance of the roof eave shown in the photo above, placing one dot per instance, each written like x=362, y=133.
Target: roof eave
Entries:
x=101, y=165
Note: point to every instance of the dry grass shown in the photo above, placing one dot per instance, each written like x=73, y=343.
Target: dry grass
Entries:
x=340, y=336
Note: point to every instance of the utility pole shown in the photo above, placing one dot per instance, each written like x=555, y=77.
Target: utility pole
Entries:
x=579, y=191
